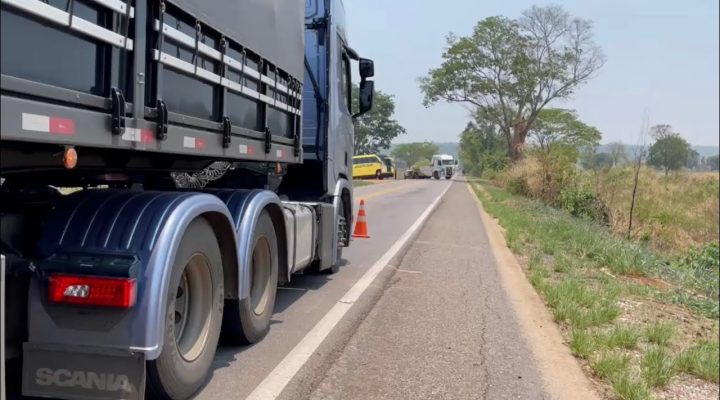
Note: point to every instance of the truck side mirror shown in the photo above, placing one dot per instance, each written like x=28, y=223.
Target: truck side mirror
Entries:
x=367, y=88
x=367, y=68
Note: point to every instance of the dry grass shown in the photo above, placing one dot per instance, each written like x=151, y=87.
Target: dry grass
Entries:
x=672, y=212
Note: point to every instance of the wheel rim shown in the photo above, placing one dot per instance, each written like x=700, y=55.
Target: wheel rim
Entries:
x=260, y=276
x=193, y=308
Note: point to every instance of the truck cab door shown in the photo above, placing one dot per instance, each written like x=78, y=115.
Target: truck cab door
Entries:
x=341, y=124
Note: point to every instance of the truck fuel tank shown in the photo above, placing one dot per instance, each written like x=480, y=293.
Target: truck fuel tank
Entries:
x=301, y=234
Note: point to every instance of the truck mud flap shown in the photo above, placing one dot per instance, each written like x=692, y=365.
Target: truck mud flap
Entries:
x=69, y=372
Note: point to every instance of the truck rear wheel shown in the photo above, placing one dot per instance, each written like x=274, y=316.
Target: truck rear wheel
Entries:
x=193, y=316
x=248, y=320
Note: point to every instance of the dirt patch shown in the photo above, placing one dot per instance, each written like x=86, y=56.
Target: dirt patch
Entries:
x=690, y=388
x=649, y=281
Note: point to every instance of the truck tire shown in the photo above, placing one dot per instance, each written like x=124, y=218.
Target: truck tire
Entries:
x=379, y=175
x=193, y=316
x=248, y=320
x=436, y=175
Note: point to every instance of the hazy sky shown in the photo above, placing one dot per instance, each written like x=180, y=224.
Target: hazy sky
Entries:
x=662, y=56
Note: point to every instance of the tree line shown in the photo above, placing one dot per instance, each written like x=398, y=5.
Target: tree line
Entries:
x=509, y=72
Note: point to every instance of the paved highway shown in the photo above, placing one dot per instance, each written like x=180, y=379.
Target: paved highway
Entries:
x=392, y=207
x=432, y=306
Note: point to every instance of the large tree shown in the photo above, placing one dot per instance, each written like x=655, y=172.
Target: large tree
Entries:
x=375, y=129
x=511, y=69
x=670, y=151
x=411, y=153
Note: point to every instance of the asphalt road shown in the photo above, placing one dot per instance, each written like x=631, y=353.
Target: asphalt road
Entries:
x=392, y=207
x=421, y=310
x=443, y=328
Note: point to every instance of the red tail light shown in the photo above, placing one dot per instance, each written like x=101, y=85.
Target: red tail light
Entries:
x=92, y=290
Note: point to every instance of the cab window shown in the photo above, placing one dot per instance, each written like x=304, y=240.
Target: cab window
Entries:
x=345, y=82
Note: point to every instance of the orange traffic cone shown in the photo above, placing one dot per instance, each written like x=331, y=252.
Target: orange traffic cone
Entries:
x=361, y=230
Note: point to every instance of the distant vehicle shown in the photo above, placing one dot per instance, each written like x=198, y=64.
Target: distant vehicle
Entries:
x=390, y=165
x=443, y=165
x=368, y=166
x=424, y=172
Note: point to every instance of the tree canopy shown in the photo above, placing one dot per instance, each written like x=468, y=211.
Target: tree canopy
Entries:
x=556, y=126
x=482, y=146
x=511, y=69
x=411, y=153
x=376, y=129
x=670, y=151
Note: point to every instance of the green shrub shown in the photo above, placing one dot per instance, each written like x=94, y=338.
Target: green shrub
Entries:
x=518, y=185
x=584, y=204
x=701, y=265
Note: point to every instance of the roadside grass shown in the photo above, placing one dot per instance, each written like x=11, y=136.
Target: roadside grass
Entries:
x=660, y=333
x=657, y=366
x=616, y=301
x=701, y=360
x=627, y=386
x=582, y=344
x=622, y=337
x=608, y=364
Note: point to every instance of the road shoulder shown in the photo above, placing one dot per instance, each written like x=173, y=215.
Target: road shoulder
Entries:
x=561, y=373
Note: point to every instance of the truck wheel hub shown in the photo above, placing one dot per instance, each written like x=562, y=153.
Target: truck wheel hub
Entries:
x=193, y=306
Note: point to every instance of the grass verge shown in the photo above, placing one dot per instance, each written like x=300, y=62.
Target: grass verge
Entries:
x=635, y=322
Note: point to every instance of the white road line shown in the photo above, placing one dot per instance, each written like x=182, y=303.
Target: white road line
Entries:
x=273, y=384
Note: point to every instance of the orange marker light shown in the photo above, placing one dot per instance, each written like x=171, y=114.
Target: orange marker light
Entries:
x=70, y=158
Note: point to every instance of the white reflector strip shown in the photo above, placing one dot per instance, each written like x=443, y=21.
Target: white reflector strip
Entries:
x=278, y=153
x=193, y=143
x=138, y=135
x=34, y=122
x=189, y=142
